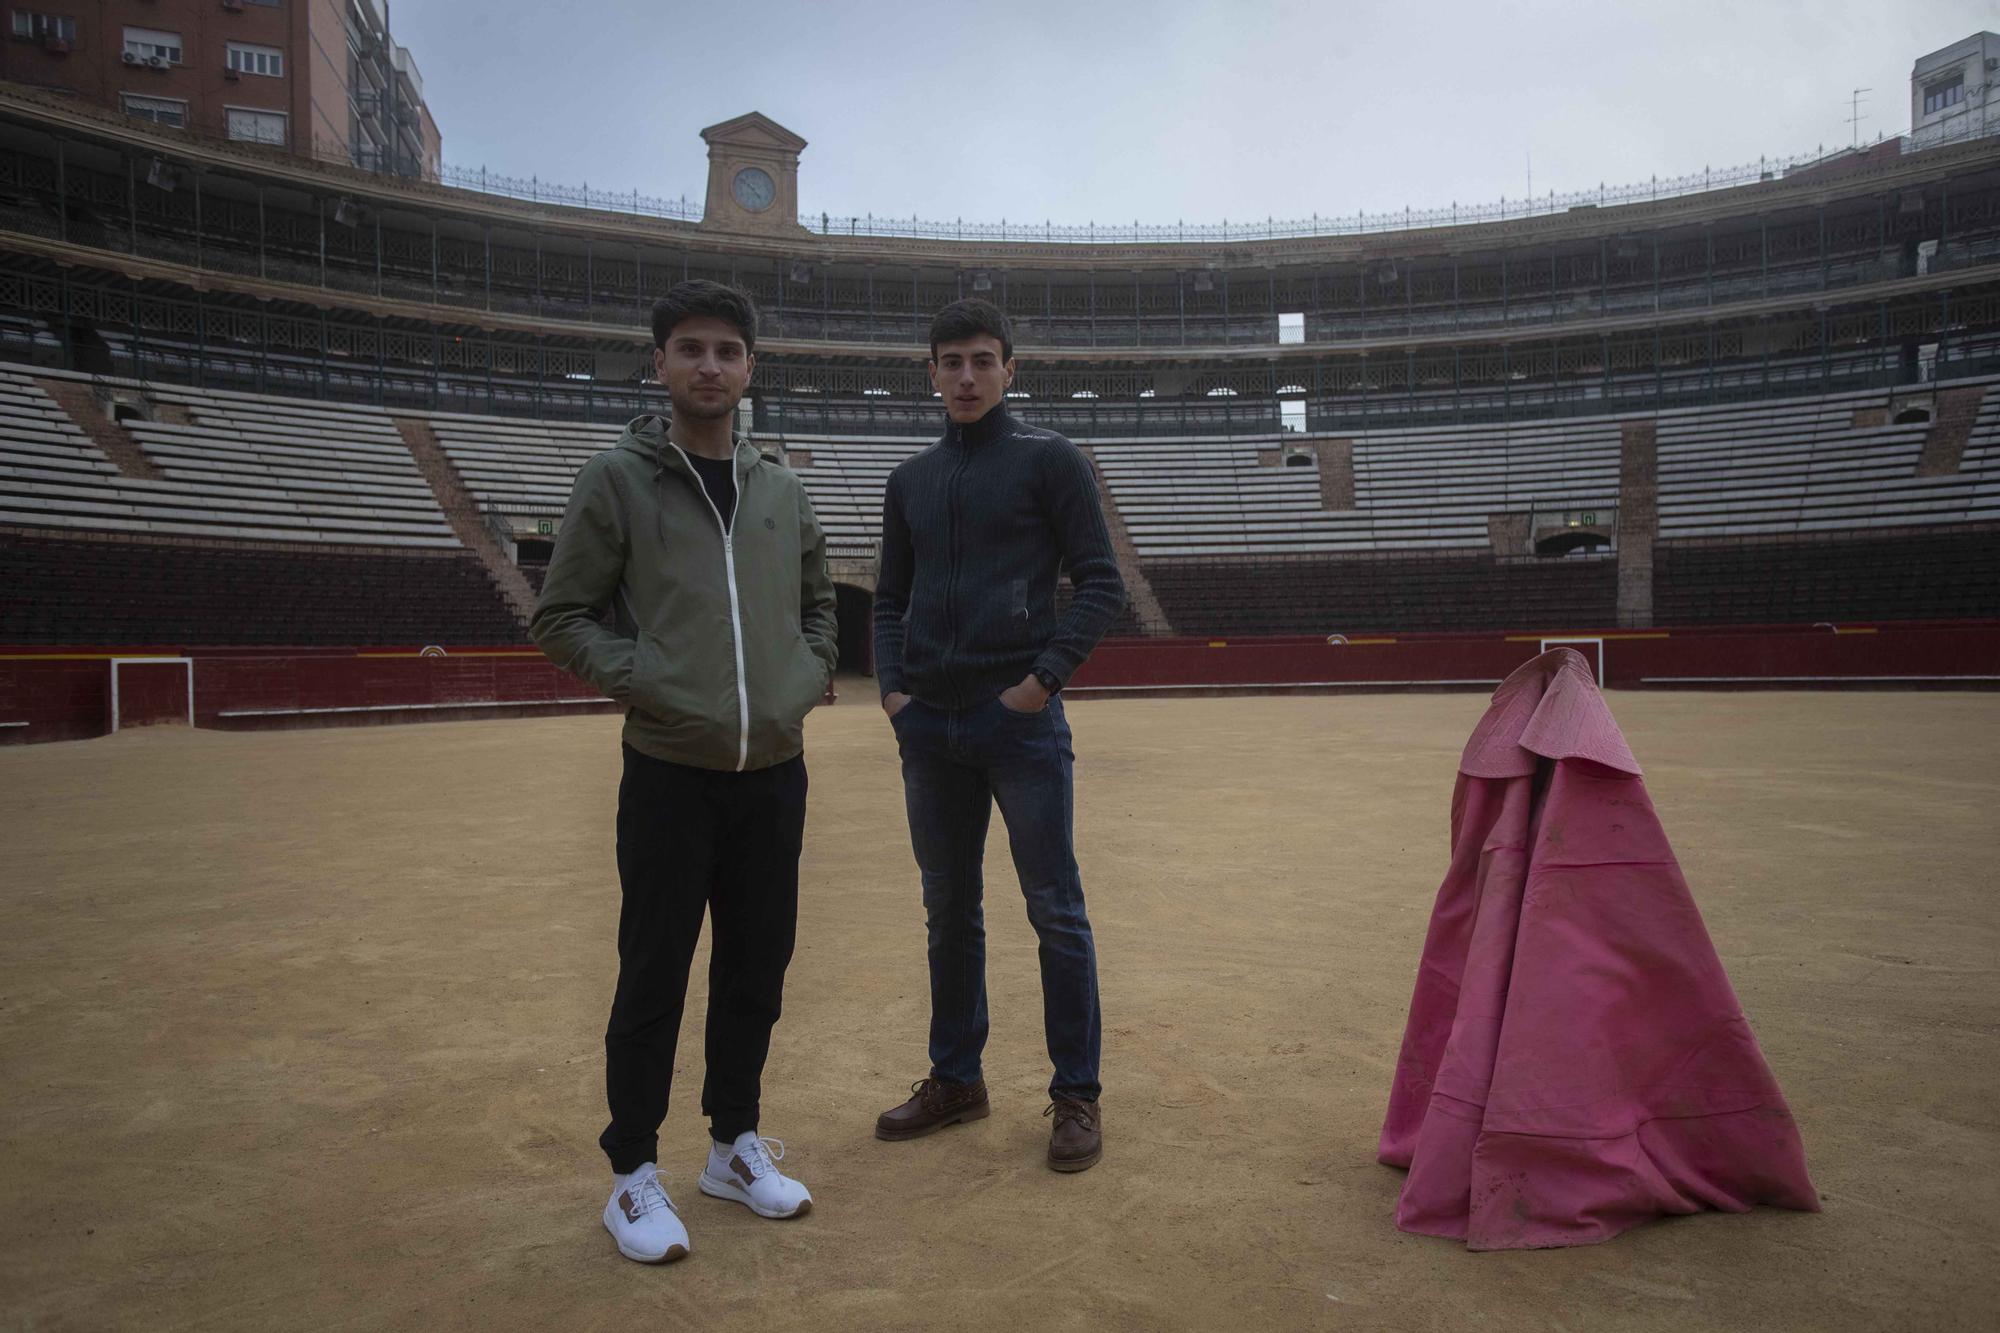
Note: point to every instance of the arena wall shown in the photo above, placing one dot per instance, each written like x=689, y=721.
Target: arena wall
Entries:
x=68, y=695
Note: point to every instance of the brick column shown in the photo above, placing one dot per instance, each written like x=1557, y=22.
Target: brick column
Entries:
x=1951, y=428
x=1336, y=474
x=1638, y=521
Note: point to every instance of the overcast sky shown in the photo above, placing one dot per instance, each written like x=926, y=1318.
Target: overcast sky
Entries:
x=1108, y=111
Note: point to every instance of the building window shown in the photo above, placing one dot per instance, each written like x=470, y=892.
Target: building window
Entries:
x=145, y=45
x=44, y=27
x=266, y=60
x=1291, y=327
x=167, y=111
x=1941, y=95
x=1292, y=419
x=257, y=126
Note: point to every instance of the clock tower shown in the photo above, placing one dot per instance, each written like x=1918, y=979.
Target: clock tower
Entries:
x=753, y=176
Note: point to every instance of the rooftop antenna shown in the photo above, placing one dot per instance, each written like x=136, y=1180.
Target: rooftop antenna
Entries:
x=1854, y=116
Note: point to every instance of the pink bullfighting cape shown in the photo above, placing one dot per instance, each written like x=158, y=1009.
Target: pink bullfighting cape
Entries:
x=1575, y=1061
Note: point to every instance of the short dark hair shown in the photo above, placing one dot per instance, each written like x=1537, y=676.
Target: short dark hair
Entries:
x=968, y=319
x=698, y=296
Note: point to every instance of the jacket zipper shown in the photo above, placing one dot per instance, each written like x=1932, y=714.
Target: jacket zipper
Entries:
x=735, y=606
x=951, y=579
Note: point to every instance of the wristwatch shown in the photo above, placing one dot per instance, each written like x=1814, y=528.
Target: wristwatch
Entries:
x=1050, y=681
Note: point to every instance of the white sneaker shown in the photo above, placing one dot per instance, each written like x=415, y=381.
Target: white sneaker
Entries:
x=643, y=1220
x=747, y=1172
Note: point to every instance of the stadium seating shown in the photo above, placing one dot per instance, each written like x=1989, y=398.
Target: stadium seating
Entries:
x=1795, y=513
x=235, y=537
x=1384, y=592
x=1653, y=266
x=240, y=467
x=511, y=466
x=43, y=455
x=1428, y=489
x=343, y=392
x=1769, y=511
x=1937, y=573
x=1806, y=467
x=63, y=590
x=1235, y=545
x=846, y=480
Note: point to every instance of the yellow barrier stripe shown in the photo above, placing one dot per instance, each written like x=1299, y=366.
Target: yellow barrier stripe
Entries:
x=493, y=652
x=94, y=657
x=106, y=657
x=1635, y=634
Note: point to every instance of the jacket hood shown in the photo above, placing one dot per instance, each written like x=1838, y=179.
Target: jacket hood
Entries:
x=646, y=436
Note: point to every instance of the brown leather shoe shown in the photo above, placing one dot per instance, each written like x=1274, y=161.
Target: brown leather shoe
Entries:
x=933, y=1105
x=1076, y=1139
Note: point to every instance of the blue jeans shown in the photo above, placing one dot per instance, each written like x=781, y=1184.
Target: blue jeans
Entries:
x=956, y=764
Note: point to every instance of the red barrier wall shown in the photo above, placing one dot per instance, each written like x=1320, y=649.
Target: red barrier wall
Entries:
x=146, y=691
x=1962, y=653
x=249, y=690
x=64, y=694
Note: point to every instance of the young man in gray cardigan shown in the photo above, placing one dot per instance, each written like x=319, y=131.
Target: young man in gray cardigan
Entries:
x=971, y=657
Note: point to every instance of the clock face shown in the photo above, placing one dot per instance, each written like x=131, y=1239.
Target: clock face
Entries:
x=754, y=189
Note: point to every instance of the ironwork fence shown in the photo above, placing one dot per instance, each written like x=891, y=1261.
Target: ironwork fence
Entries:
x=537, y=190
x=1048, y=232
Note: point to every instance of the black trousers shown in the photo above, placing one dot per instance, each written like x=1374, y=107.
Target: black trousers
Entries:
x=689, y=839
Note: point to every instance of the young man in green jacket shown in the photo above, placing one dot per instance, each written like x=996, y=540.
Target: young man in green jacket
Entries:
x=721, y=639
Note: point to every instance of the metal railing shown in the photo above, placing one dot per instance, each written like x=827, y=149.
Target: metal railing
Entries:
x=1049, y=232
x=536, y=190
x=1347, y=224
x=532, y=189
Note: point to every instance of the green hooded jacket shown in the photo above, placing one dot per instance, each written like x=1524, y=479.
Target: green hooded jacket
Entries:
x=720, y=641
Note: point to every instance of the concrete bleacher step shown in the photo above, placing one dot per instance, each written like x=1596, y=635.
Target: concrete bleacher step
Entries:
x=1139, y=595
x=463, y=513
x=273, y=468
x=88, y=415
x=209, y=463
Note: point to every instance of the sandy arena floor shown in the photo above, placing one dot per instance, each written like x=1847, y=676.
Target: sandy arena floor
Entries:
x=302, y=1030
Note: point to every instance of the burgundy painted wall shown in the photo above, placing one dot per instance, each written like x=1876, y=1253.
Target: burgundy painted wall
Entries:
x=152, y=692
x=1790, y=656
x=64, y=694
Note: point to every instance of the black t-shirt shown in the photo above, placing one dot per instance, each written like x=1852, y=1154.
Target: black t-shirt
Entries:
x=718, y=478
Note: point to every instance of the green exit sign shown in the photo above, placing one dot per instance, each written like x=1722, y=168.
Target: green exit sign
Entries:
x=544, y=526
